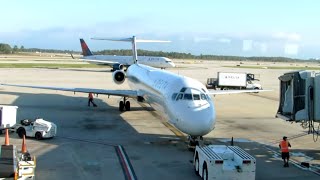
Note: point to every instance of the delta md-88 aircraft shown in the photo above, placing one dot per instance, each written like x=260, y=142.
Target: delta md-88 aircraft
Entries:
x=184, y=102
x=119, y=62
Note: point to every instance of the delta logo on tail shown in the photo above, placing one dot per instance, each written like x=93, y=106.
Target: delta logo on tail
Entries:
x=85, y=50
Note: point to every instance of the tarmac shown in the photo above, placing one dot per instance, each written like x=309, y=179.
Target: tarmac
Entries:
x=90, y=140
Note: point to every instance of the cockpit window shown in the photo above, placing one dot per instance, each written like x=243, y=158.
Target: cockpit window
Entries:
x=203, y=97
x=183, y=89
x=168, y=61
x=179, y=96
x=174, y=95
x=196, y=97
x=190, y=94
x=187, y=96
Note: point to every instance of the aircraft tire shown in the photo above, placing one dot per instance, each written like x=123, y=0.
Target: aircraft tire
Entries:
x=121, y=106
x=127, y=106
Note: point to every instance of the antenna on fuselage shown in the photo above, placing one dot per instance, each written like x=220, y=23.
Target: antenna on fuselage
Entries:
x=133, y=41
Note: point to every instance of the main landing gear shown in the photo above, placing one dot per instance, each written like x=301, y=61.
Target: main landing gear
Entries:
x=194, y=141
x=124, y=105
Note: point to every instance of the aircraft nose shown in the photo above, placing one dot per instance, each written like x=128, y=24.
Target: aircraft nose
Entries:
x=199, y=121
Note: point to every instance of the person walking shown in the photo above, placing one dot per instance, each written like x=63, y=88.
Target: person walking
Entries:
x=90, y=100
x=284, y=146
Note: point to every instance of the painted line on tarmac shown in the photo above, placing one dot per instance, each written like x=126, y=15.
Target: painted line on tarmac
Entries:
x=127, y=168
x=167, y=124
x=174, y=130
x=296, y=163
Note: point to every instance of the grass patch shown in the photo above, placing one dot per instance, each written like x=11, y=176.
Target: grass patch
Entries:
x=46, y=65
x=275, y=67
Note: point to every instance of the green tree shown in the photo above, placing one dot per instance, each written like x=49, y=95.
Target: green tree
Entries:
x=15, y=49
x=21, y=48
x=5, y=48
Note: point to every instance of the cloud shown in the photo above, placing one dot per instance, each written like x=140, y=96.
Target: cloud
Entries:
x=291, y=49
x=201, y=39
x=287, y=36
x=224, y=40
x=260, y=46
x=247, y=45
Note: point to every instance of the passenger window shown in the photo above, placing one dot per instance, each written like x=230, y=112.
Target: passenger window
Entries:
x=196, y=97
x=187, y=96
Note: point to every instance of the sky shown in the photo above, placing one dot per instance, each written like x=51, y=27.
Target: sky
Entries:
x=221, y=27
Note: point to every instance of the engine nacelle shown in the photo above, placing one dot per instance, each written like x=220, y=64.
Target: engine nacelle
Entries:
x=118, y=76
x=117, y=66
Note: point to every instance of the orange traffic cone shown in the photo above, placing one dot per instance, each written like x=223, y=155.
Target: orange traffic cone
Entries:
x=24, y=146
x=6, y=140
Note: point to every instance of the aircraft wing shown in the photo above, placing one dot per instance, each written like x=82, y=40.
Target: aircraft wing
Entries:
x=110, y=63
x=126, y=93
x=218, y=92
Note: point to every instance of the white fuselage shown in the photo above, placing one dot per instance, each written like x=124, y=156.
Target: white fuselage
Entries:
x=181, y=100
x=158, y=62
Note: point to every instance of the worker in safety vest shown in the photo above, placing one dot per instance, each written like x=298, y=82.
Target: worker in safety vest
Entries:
x=284, y=146
x=90, y=100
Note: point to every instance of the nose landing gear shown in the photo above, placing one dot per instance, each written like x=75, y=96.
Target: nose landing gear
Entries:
x=194, y=141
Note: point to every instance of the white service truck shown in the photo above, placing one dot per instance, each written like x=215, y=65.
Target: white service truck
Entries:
x=37, y=128
x=233, y=80
x=224, y=162
x=8, y=115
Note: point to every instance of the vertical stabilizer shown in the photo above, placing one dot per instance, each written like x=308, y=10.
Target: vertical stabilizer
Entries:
x=85, y=49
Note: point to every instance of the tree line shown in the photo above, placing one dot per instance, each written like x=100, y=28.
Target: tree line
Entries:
x=177, y=55
x=6, y=49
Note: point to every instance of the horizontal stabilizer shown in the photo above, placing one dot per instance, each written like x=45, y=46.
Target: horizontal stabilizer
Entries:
x=129, y=40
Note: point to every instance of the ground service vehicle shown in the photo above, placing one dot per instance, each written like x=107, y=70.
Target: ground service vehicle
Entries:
x=233, y=80
x=224, y=162
x=37, y=128
x=8, y=116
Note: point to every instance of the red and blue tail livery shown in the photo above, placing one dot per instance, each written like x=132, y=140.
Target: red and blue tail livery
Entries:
x=85, y=50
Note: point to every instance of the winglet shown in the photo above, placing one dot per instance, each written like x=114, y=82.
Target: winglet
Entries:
x=85, y=49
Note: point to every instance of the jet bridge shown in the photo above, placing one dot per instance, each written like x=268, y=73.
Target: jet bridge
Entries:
x=300, y=98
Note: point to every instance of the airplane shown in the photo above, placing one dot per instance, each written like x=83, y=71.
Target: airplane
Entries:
x=184, y=102
x=119, y=62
